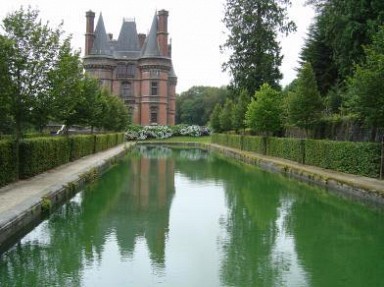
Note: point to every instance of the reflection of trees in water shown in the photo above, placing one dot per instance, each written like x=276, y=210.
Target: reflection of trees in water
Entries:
x=131, y=202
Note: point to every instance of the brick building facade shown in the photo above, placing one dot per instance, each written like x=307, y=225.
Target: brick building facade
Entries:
x=136, y=67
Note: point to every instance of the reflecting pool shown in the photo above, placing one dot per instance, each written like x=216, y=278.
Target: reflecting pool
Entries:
x=186, y=217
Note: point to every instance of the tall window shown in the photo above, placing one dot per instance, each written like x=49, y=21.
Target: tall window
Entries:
x=126, y=92
x=154, y=88
x=153, y=115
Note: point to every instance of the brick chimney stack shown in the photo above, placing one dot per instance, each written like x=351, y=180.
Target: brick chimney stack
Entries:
x=141, y=40
x=162, y=32
x=89, y=32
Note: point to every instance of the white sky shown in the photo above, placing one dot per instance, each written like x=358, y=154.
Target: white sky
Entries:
x=195, y=27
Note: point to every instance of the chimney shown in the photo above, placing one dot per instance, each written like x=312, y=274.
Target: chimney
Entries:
x=89, y=32
x=141, y=40
x=162, y=32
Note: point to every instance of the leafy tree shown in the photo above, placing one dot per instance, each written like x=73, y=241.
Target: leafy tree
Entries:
x=196, y=105
x=265, y=110
x=253, y=27
x=335, y=43
x=6, y=86
x=366, y=87
x=226, y=115
x=215, y=118
x=116, y=116
x=305, y=104
x=66, y=87
x=34, y=55
x=239, y=110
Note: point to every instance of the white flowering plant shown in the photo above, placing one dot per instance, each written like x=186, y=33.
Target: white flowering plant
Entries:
x=162, y=132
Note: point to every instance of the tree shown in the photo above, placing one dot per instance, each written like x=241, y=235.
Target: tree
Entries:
x=196, y=105
x=116, y=116
x=215, y=118
x=239, y=110
x=252, y=41
x=66, y=84
x=305, y=104
x=34, y=54
x=226, y=115
x=366, y=87
x=6, y=87
x=265, y=110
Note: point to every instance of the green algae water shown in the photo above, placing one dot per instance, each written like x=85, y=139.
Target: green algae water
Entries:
x=174, y=217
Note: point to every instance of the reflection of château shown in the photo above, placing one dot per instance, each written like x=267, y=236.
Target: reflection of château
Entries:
x=147, y=202
x=136, y=67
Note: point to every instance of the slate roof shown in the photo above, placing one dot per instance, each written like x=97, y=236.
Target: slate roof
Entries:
x=128, y=39
x=100, y=44
x=151, y=45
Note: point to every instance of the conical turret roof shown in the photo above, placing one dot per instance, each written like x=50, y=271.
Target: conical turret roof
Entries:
x=100, y=44
x=151, y=45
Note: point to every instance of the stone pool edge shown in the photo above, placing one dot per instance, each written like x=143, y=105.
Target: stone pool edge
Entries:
x=30, y=209
x=368, y=190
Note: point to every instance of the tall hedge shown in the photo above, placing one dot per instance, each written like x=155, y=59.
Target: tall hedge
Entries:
x=81, y=145
x=255, y=144
x=37, y=155
x=360, y=158
x=8, y=162
x=288, y=148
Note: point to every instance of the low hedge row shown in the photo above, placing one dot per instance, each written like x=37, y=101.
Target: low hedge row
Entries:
x=360, y=158
x=37, y=155
x=8, y=162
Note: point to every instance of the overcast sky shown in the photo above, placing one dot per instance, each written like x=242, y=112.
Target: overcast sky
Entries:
x=195, y=27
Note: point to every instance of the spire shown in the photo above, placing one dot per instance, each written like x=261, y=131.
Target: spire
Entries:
x=128, y=39
x=151, y=45
x=100, y=44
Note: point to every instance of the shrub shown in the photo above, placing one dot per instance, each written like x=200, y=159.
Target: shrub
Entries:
x=163, y=132
x=359, y=158
x=255, y=144
x=288, y=148
x=81, y=145
x=8, y=164
x=37, y=155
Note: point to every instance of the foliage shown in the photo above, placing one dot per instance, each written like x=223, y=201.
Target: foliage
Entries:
x=195, y=106
x=252, y=41
x=264, y=111
x=116, y=115
x=351, y=157
x=239, y=110
x=8, y=165
x=35, y=50
x=305, y=104
x=40, y=154
x=358, y=158
x=226, y=116
x=336, y=40
x=81, y=145
x=288, y=148
x=366, y=87
x=163, y=132
x=215, y=118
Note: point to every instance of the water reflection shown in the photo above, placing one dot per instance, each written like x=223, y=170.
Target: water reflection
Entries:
x=175, y=217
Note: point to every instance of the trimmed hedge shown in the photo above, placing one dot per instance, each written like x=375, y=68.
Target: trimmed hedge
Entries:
x=81, y=145
x=359, y=158
x=37, y=155
x=255, y=144
x=288, y=148
x=8, y=162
